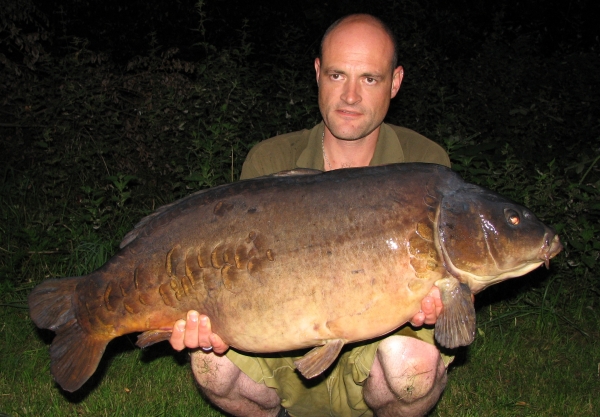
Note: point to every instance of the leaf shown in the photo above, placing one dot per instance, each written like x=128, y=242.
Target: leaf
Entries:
x=520, y=110
x=196, y=176
x=589, y=261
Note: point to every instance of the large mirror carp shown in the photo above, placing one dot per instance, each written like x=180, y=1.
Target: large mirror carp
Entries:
x=298, y=260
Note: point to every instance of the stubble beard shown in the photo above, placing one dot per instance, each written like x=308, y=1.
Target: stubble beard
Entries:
x=344, y=132
x=356, y=134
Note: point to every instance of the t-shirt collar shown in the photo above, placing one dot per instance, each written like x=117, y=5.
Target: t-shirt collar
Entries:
x=387, y=151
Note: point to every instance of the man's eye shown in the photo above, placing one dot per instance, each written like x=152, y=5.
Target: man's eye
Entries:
x=335, y=76
x=370, y=80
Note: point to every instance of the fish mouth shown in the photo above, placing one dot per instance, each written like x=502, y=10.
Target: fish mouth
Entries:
x=550, y=248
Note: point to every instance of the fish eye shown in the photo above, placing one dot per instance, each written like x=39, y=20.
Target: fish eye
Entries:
x=512, y=217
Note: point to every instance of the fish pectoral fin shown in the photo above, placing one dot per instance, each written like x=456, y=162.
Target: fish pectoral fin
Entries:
x=153, y=336
x=456, y=325
x=319, y=359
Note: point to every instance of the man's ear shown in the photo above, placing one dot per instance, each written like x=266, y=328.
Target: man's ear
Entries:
x=397, y=77
x=317, y=68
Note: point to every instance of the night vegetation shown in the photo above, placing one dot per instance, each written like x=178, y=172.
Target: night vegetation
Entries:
x=109, y=110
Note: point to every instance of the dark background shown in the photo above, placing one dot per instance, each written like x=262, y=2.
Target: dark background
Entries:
x=124, y=27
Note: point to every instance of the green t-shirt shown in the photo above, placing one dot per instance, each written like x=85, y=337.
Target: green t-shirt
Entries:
x=303, y=149
x=339, y=391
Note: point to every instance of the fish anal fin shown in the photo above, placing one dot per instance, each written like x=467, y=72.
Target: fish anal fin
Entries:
x=153, y=336
x=457, y=324
x=319, y=359
x=74, y=356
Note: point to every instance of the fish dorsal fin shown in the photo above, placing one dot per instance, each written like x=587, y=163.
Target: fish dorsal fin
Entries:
x=456, y=325
x=296, y=172
x=132, y=234
x=139, y=227
x=319, y=359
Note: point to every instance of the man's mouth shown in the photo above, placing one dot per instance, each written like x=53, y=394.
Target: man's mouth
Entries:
x=348, y=113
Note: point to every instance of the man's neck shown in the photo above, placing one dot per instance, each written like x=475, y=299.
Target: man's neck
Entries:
x=339, y=153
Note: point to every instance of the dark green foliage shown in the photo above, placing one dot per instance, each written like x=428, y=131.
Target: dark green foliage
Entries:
x=95, y=144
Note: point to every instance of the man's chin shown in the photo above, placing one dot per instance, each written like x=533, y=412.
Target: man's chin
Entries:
x=349, y=135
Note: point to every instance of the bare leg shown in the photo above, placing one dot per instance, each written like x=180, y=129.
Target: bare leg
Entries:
x=407, y=378
x=230, y=389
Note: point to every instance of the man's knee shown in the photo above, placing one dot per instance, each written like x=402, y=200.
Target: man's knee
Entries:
x=407, y=374
x=412, y=368
x=216, y=375
x=229, y=388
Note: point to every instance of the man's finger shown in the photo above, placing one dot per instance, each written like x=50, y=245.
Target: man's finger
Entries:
x=207, y=338
x=418, y=319
x=191, y=330
x=218, y=345
x=437, y=299
x=176, y=339
x=428, y=305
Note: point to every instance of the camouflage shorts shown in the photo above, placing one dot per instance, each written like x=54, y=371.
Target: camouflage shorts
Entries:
x=338, y=392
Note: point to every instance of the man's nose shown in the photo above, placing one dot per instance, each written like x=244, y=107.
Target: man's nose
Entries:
x=351, y=93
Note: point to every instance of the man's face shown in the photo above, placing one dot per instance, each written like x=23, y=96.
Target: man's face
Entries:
x=355, y=78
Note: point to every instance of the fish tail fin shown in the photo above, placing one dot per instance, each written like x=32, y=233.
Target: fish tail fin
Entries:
x=50, y=303
x=74, y=354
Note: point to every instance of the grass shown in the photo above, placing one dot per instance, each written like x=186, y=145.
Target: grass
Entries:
x=129, y=382
x=515, y=367
x=519, y=369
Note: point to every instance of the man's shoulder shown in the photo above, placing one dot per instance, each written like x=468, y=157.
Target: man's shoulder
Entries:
x=418, y=148
x=286, y=143
x=275, y=154
x=410, y=137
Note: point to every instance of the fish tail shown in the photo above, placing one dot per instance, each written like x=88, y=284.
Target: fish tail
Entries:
x=74, y=354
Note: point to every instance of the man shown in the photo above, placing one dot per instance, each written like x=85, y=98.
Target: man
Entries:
x=400, y=375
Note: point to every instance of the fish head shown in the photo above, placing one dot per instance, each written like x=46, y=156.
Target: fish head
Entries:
x=485, y=238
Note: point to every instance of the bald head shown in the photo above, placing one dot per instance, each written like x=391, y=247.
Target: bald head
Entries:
x=369, y=25
x=357, y=77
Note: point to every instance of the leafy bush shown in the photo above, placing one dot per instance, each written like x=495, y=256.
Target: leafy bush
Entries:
x=92, y=143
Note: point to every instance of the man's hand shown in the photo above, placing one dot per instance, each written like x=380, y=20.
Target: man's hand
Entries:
x=195, y=332
x=431, y=308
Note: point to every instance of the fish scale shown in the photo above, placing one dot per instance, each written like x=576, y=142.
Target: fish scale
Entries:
x=298, y=260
